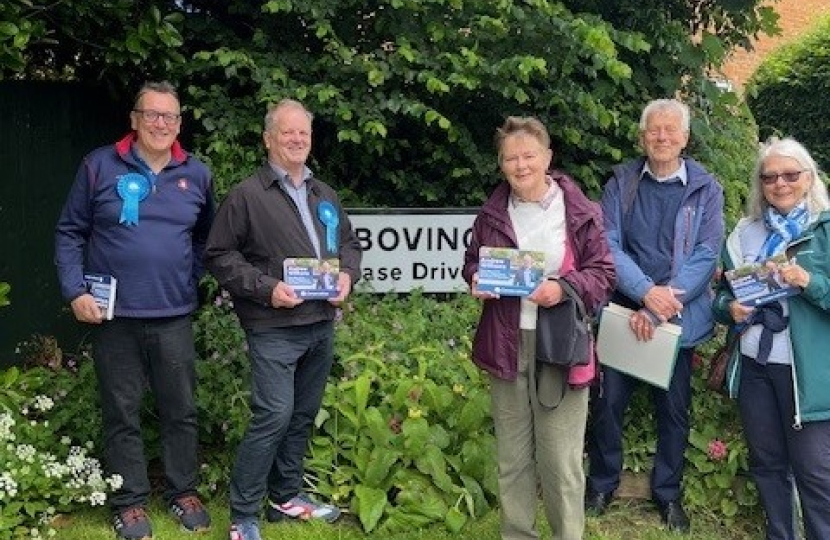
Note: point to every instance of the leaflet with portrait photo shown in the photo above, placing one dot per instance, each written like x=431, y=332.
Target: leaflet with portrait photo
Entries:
x=755, y=284
x=312, y=278
x=508, y=271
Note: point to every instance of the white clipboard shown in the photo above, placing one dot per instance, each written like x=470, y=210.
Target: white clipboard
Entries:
x=618, y=347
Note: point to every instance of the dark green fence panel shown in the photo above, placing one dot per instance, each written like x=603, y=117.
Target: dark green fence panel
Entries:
x=45, y=130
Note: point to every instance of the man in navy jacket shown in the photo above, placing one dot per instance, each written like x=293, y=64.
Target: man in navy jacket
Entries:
x=140, y=211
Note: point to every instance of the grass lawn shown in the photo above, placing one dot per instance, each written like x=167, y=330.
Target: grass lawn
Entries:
x=625, y=520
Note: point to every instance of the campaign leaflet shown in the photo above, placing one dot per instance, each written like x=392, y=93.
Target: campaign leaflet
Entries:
x=508, y=271
x=102, y=287
x=754, y=284
x=312, y=278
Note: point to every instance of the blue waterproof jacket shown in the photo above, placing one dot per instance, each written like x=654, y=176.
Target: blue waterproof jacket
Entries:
x=698, y=234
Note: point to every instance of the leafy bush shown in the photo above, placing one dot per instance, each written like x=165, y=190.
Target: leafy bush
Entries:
x=405, y=432
x=44, y=472
x=788, y=92
x=404, y=438
x=725, y=139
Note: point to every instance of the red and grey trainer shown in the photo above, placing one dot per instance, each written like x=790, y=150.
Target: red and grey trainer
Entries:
x=191, y=513
x=301, y=507
x=132, y=524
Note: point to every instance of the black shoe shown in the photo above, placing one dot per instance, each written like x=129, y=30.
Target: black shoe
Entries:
x=674, y=516
x=596, y=503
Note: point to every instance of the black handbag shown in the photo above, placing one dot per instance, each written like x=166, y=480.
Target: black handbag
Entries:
x=564, y=331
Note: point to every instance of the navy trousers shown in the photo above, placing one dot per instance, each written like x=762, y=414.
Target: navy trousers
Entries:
x=289, y=370
x=132, y=355
x=780, y=454
x=605, y=430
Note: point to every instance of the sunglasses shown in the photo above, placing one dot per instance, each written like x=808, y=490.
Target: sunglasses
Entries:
x=789, y=177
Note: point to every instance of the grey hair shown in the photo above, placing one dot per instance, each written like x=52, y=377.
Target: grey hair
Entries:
x=817, y=199
x=522, y=124
x=286, y=103
x=160, y=87
x=661, y=105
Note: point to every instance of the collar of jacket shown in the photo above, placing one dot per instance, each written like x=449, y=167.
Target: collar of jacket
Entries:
x=268, y=177
x=578, y=207
x=122, y=147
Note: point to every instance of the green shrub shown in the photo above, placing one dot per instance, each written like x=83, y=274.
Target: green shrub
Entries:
x=44, y=471
x=405, y=432
x=404, y=438
x=788, y=92
x=725, y=139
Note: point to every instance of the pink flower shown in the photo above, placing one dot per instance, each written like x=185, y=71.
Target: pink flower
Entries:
x=717, y=450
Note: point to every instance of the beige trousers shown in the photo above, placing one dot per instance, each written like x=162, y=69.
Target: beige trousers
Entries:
x=538, y=445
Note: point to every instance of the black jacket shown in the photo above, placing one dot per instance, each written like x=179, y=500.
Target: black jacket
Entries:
x=256, y=228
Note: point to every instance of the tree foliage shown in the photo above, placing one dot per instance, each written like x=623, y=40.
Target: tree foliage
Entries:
x=788, y=92
x=407, y=93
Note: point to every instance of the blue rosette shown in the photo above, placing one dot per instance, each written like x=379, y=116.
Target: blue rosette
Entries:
x=132, y=188
x=327, y=214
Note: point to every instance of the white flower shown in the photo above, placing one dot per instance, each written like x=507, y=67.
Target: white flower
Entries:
x=8, y=486
x=26, y=453
x=43, y=403
x=115, y=481
x=6, y=425
x=97, y=498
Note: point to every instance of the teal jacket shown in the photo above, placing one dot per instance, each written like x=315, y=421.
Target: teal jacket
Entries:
x=809, y=318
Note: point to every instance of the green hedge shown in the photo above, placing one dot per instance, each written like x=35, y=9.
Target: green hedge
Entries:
x=789, y=93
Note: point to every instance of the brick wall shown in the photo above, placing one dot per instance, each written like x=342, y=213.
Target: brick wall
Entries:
x=796, y=16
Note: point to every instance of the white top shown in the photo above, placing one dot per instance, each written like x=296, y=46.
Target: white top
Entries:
x=540, y=229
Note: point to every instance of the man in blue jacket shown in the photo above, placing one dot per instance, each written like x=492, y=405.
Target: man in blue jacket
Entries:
x=140, y=211
x=664, y=219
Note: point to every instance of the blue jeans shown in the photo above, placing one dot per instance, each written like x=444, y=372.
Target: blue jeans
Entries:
x=289, y=370
x=605, y=435
x=779, y=454
x=130, y=355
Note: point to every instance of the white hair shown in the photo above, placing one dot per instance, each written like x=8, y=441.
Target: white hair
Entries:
x=817, y=199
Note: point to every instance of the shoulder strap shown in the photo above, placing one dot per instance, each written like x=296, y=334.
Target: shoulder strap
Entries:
x=570, y=291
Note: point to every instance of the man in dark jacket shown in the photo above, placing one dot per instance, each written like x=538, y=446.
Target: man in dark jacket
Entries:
x=281, y=212
x=139, y=211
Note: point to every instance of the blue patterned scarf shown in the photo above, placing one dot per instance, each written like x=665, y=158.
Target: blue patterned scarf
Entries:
x=783, y=229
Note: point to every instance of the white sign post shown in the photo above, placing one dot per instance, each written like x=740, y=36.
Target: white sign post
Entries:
x=406, y=249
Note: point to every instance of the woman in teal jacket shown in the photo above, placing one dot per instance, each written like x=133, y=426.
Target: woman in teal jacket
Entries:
x=784, y=369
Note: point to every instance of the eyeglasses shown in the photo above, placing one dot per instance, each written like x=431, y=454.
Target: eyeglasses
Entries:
x=150, y=116
x=789, y=177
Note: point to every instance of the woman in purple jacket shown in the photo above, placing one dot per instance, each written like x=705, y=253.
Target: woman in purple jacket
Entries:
x=543, y=210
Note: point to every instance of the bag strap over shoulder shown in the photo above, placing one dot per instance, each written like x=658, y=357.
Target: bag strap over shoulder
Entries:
x=580, y=305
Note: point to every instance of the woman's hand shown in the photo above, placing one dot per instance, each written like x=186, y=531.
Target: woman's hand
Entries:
x=739, y=312
x=548, y=293
x=792, y=274
x=481, y=295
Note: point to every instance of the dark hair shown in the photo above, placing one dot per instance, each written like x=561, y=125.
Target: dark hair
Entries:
x=161, y=87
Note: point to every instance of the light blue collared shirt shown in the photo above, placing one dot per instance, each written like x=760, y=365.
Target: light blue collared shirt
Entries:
x=679, y=174
x=299, y=194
